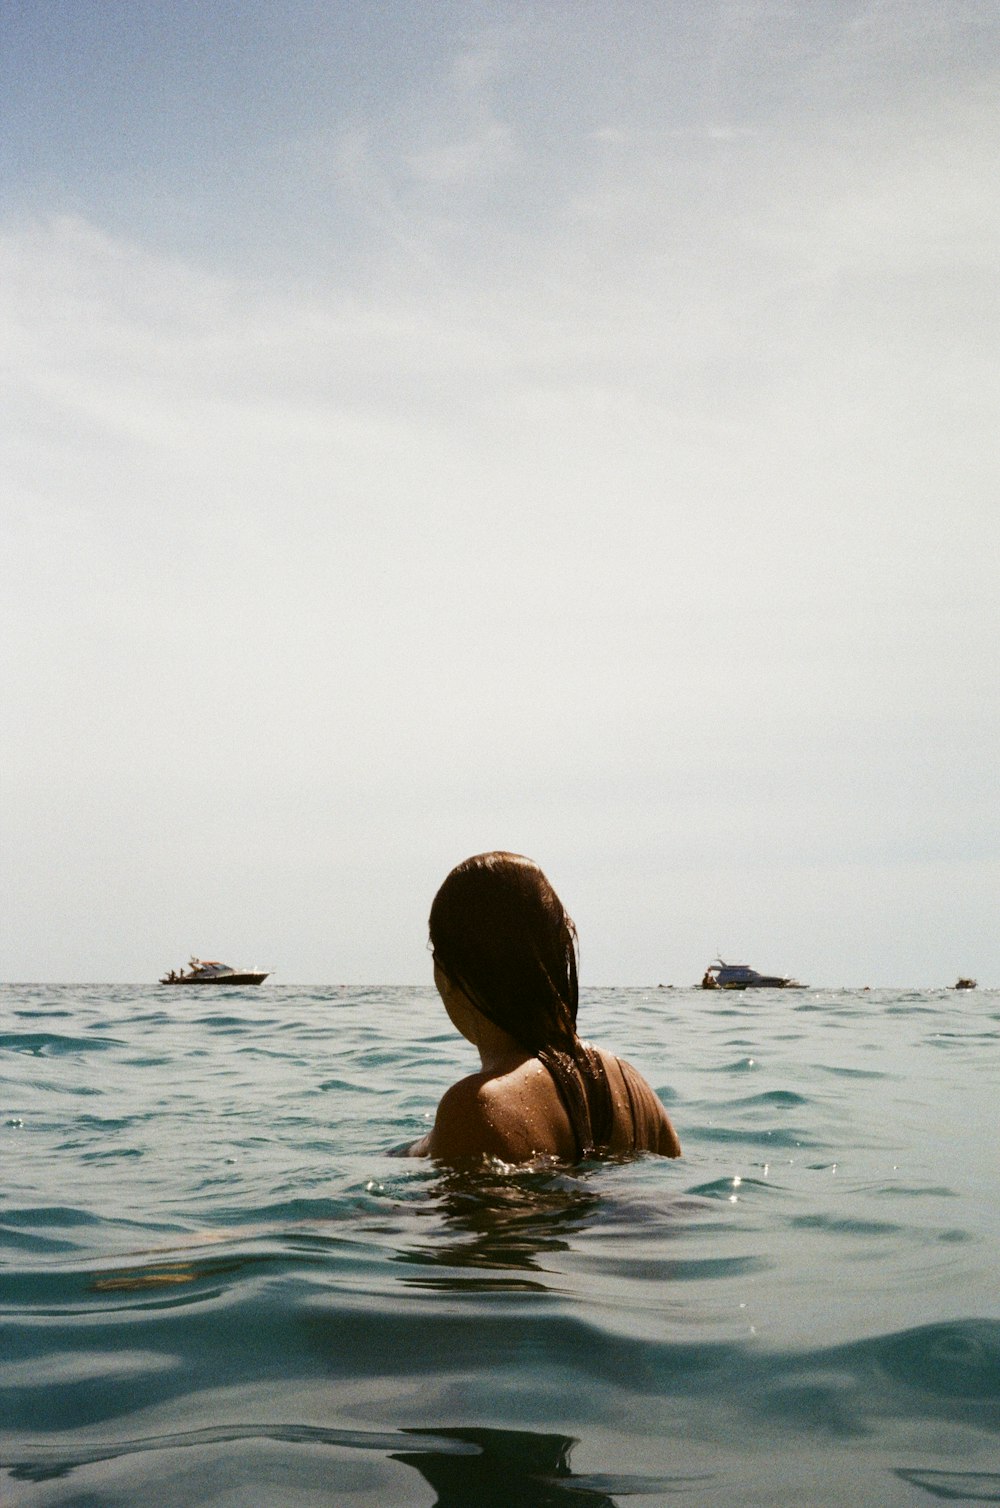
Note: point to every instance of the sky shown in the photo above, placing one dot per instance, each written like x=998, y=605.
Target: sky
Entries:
x=568, y=427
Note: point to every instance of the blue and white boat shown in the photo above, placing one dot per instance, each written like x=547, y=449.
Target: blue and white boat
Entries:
x=739, y=976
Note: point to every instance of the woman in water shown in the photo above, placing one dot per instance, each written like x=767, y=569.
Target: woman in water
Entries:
x=505, y=967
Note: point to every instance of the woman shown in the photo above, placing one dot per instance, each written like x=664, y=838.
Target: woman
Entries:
x=505, y=967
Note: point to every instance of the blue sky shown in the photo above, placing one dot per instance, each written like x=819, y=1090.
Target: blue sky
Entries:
x=568, y=428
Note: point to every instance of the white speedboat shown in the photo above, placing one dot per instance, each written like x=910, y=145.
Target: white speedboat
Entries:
x=210, y=971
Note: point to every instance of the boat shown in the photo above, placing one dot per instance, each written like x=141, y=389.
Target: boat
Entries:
x=739, y=976
x=210, y=971
x=965, y=984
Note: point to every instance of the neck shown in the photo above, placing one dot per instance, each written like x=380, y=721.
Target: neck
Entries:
x=499, y=1052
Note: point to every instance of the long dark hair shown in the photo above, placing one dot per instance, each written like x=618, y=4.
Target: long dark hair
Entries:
x=503, y=937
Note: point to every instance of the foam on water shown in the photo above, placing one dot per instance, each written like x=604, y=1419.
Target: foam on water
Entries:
x=220, y=1285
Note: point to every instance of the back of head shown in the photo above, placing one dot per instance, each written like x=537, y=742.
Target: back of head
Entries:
x=499, y=932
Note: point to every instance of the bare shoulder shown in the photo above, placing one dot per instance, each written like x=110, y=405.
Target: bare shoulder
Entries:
x=653, y=1128
x=515, y=1116
x=519, y=1115
x=469, y=1123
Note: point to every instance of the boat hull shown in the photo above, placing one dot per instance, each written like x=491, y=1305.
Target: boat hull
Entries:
x=230, y=979
x=763, y=983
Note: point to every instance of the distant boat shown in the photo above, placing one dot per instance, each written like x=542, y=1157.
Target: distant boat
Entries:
x=965, y=984
x=210, y=971
x=739, y=976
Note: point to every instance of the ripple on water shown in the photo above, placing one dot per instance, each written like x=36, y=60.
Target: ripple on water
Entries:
x=914, y=1191
x=781, y=1098
x=487, y=1466
x=955, y=1359
x=725, y=1188
x=109, y=1154
x=769, y=1136
x=51, y=1230
x=839, y=1071
x=844, y=1225
x=958, y=1486
x=52, y=1043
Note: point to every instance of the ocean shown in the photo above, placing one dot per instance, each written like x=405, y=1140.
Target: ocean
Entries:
x=220, y=1283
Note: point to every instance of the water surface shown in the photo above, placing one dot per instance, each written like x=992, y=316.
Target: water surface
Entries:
x=219, y=1285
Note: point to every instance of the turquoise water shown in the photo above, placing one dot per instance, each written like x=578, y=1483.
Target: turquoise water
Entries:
x=219, y=1286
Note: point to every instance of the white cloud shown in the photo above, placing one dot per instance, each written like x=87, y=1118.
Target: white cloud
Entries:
x=650, y=533
x=457, y=163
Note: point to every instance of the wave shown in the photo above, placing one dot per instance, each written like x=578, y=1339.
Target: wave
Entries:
x=491, y=1467
x=47, y=1043
x=948, y=1372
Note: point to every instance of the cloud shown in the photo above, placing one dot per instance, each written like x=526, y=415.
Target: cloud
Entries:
x=615, y=483
x=456, y=164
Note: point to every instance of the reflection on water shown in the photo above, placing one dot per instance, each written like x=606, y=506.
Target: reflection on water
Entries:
x=956, y=1486
x=488, y=1468
x=504, y=1223
x=516, y=1468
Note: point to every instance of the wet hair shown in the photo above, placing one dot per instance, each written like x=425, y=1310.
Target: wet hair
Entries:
x=499, y=932
x=502, y=936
